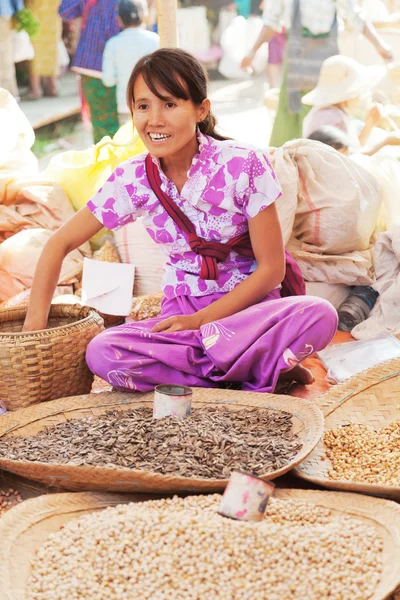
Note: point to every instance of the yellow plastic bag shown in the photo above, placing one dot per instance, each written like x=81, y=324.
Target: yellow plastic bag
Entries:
x=82, y=173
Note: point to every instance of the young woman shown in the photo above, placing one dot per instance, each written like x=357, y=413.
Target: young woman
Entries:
x=209, y=202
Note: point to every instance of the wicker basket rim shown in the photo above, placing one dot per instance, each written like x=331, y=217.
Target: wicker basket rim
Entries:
x=92, y=313
x=295, y=406
x=357, y=384
x=345, y=484
x=31, y=517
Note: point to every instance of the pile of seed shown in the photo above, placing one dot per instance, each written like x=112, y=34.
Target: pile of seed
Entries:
x=209, y=443
x=358, y=453
x=8, y=499
x=182, y=549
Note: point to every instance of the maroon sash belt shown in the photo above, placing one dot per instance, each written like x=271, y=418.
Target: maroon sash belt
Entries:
x=214, y=252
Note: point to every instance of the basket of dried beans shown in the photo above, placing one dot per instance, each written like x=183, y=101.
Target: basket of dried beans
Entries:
x=111, y=442
x=360, y=449
x=42, y=365
x=309, y=544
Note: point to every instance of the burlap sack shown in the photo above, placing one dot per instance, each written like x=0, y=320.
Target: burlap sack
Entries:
x=329, y=211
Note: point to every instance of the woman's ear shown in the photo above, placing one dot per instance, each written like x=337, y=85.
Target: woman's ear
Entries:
x=203, y=110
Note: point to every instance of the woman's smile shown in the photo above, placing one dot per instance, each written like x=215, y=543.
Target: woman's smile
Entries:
x=158, y=138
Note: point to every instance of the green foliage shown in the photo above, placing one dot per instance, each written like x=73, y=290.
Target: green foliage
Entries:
x=25, y=21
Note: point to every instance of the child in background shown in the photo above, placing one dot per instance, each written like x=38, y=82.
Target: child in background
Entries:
x=344, y=90
x=123, y=51
x=232, y=311
x=332, y=136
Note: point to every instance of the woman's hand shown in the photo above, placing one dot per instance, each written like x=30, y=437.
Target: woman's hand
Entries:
x=247, y=62
x=178, y=323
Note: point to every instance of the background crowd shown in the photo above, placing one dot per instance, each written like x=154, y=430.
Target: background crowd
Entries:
x=101, y=40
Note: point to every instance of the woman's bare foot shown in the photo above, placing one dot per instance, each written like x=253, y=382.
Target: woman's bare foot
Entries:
x=299, y=374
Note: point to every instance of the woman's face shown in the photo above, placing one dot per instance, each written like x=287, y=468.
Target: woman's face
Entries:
x=166, y=126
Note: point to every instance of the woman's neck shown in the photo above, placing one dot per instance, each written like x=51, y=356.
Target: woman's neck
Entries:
x=178, y=164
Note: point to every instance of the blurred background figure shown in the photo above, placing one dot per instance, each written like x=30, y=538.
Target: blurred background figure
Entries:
x=276, y=54
x=123, y=51
x=344, y=90
x=7, y=68
x=44, y=68
x=332, y=136
x=312, y=38
x=336, y=138
x=99, y=23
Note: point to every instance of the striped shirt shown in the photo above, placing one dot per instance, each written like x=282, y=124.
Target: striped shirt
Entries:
x=101, y=25
x=316, y=15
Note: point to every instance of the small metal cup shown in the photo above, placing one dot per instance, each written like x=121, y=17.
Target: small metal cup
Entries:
x=246, y=497
x=172, y=401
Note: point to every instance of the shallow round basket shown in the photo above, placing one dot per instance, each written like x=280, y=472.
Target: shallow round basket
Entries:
x=307, y=423
x=42, y=365
x=24, y=529
x=371, y=398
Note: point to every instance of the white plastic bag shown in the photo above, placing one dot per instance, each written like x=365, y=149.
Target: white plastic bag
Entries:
x=22, y=46
x=345, y=360
x=193, y=30
x=236, y=42
x=16, y=139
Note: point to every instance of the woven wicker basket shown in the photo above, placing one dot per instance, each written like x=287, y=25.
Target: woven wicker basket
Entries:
x=307, y=422
x=25, y=529
x=43, y=365
x=370, y=398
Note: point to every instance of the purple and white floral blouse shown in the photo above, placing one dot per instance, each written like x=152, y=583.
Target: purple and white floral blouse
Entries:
x=228, y=184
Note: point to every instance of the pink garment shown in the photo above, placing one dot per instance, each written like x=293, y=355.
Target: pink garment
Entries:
x=329, y=115
x=228, y=183
x=252, y=347
x=276, y=49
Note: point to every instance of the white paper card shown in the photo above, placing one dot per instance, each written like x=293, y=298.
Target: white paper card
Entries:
x=108, y=287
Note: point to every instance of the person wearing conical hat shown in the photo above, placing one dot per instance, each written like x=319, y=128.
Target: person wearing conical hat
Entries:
x=344, y=89
x=312, y=38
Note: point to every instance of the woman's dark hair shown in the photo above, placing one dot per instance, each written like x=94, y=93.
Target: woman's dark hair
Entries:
x=130, y=12
x=178, y=73
x=331, y=136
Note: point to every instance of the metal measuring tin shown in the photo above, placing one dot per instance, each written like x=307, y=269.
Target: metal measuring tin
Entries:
x=245, y=497
x=172, y=401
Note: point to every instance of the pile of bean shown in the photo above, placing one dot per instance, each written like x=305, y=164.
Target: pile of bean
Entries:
x=182, y=549
x=210, y=443
x=8, y=499
x=358, y=453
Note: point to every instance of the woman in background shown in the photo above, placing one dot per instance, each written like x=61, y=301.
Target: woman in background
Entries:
x=44, y=68
x=8, y=80
x=98, y=24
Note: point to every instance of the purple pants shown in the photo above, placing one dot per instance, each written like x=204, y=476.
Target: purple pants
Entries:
x=251, y=347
